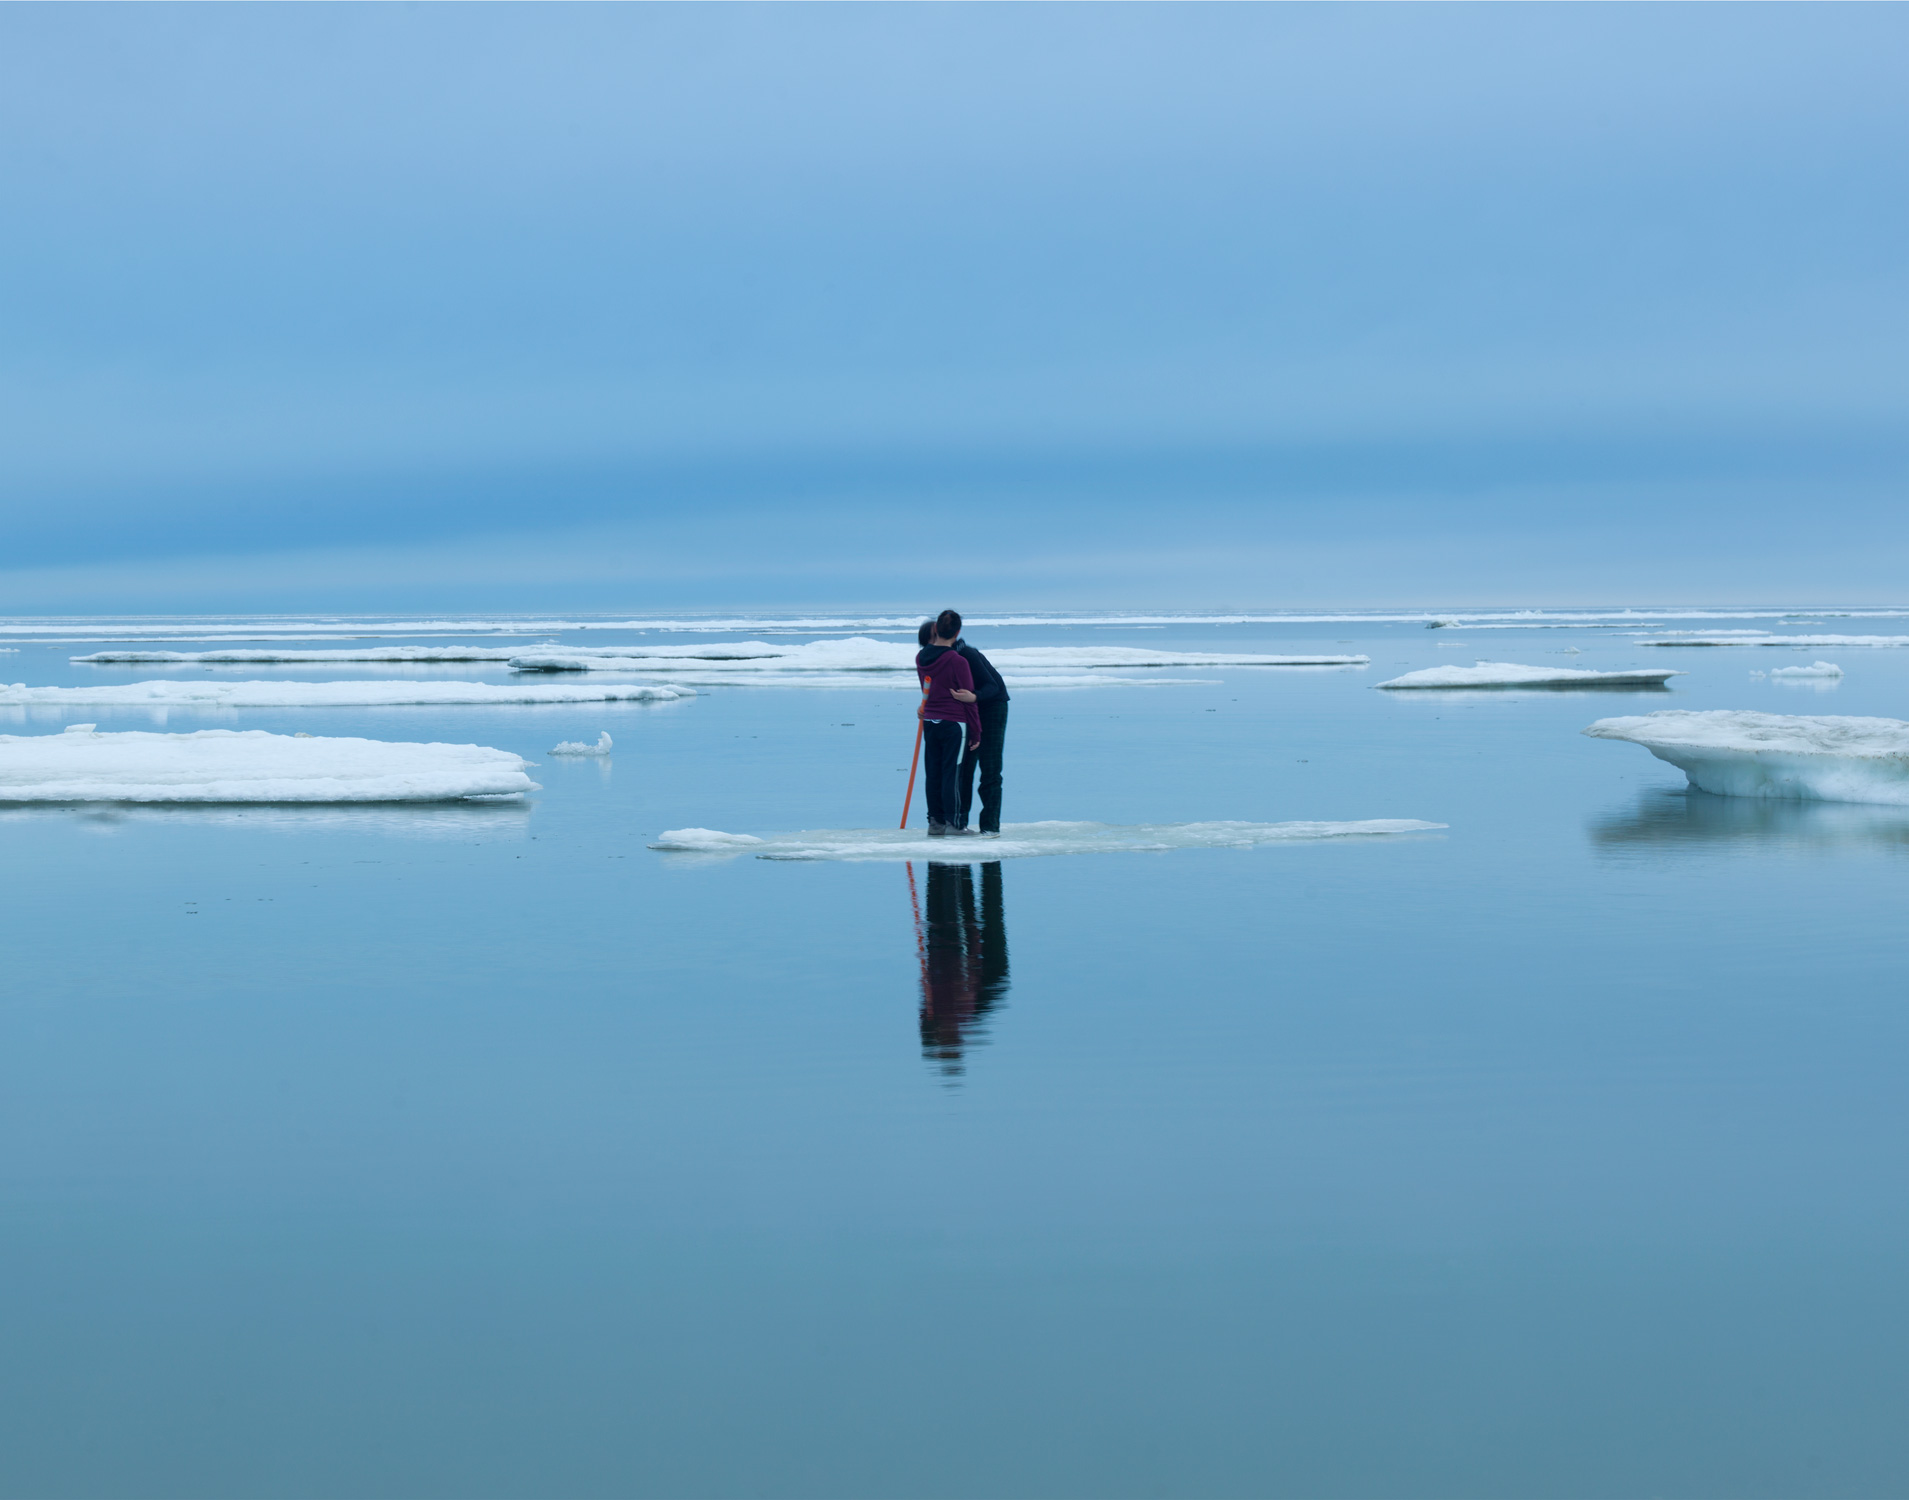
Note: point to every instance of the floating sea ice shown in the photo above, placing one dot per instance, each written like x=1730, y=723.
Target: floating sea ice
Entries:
x=226, y=765
x=1814, y=669
x=744, y=660
x=1504, y=674
x=1736, y=753
x=1023, y=840
x=165, y=693
x=294, y=658
x=1758, y=638
x=577, y=747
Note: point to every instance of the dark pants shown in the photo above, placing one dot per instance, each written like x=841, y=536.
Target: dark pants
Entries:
x=987, y=756
x=940, y=768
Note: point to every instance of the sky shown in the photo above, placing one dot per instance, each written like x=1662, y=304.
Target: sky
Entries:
x=621, y=307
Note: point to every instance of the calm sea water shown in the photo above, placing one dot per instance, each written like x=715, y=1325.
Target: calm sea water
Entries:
x=484, y=1152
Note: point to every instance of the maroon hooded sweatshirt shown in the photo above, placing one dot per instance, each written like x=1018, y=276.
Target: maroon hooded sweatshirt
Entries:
x=943, y=668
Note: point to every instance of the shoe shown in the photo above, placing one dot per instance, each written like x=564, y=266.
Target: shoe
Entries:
x=937, y=830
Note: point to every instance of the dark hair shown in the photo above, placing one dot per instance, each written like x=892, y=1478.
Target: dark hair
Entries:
x=948, y=625
x=927, y=630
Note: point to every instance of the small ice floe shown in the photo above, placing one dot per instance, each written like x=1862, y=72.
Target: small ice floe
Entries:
x=227, y=765
x=1814, y=669
x=1736, y=753
x=1443, y=622
x=166, y=693
x=1023, y=840
x=578, y=747
x=1505, y=674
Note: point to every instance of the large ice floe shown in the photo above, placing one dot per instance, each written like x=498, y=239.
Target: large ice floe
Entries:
x=259, y=655
x=1736, y=753
x=840, y=662
x=1023, y=840
x=1759, y=638
x=248, y=765
x=1505, y=674
x=165, y=693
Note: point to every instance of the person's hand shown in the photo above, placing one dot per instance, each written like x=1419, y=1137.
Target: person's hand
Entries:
x=961, y=695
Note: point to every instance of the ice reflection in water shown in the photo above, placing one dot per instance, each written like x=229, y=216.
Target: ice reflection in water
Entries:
x=1689, y=817
x=964, y=959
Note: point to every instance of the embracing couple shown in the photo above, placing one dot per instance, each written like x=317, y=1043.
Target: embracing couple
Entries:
x=960, y=686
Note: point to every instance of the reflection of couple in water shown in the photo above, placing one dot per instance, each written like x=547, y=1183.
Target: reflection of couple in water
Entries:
x=964, y=959
x=959, y=688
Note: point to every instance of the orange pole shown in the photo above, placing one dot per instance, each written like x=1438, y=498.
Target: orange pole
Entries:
x=908, y=800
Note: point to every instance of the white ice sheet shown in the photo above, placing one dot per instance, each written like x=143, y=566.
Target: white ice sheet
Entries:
x=1022, y=840
x=1505, y=674
x=370, y=694
x=294, y=658
x=1736, y=753
x=1758, y=638
x=226, y=765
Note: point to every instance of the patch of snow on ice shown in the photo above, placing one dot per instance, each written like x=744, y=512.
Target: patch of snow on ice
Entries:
x=165, y=693
x=226, y=765
x=578, y=747
x=1024, y=840
x=1505, y=674
x=1737, y=753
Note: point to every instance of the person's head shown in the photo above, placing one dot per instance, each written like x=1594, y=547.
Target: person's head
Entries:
x=926, y=633
x=948, y=626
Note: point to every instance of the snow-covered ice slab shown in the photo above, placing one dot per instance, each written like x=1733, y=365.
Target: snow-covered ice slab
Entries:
x=1758, y=638
x=296, y=658
x=1736, y=753
x=249, y=765
x=744, y=660
x=370, y=694
x=1505, y=674
x=1022, y=840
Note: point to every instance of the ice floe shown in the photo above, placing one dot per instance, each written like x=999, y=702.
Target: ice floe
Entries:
x=297, y=658
x=165, y=693
x=1814, y=669
x=250, y=765
x=1023, y=840
x=1737, y=753
x=579, y=747
x=1505, y=674
x=1758, y=638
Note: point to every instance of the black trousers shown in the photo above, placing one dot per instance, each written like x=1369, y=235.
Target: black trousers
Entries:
x=987, y=757
x=940, y=765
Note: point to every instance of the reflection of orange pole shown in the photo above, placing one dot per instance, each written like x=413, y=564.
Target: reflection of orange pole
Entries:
x=908, y=800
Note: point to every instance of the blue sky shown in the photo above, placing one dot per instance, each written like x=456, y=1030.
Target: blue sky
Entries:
x=624, y=307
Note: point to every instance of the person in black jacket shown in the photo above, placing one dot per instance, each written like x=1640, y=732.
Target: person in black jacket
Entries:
x=991, y=698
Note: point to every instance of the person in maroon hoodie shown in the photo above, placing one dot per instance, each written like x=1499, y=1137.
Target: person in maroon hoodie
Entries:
x=947, y=704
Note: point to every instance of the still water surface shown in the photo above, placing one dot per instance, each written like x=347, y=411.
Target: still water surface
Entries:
x=483, y=1151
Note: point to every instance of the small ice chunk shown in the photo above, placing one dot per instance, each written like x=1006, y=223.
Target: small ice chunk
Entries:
x=251, y=765
x=1443, y=622
x=1505, y=674
x=1814, y=669
x=577, y=747
x=81, y=728
x=1022, y=840
x=1737, y=753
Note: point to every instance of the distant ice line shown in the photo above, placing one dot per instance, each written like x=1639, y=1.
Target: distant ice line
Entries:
x=167, y=693
x=254, y=627
x=1757, y=638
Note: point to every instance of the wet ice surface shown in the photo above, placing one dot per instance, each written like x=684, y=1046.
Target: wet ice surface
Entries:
x=440, y=1151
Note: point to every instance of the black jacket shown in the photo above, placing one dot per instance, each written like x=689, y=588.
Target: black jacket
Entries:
x=988, y=686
